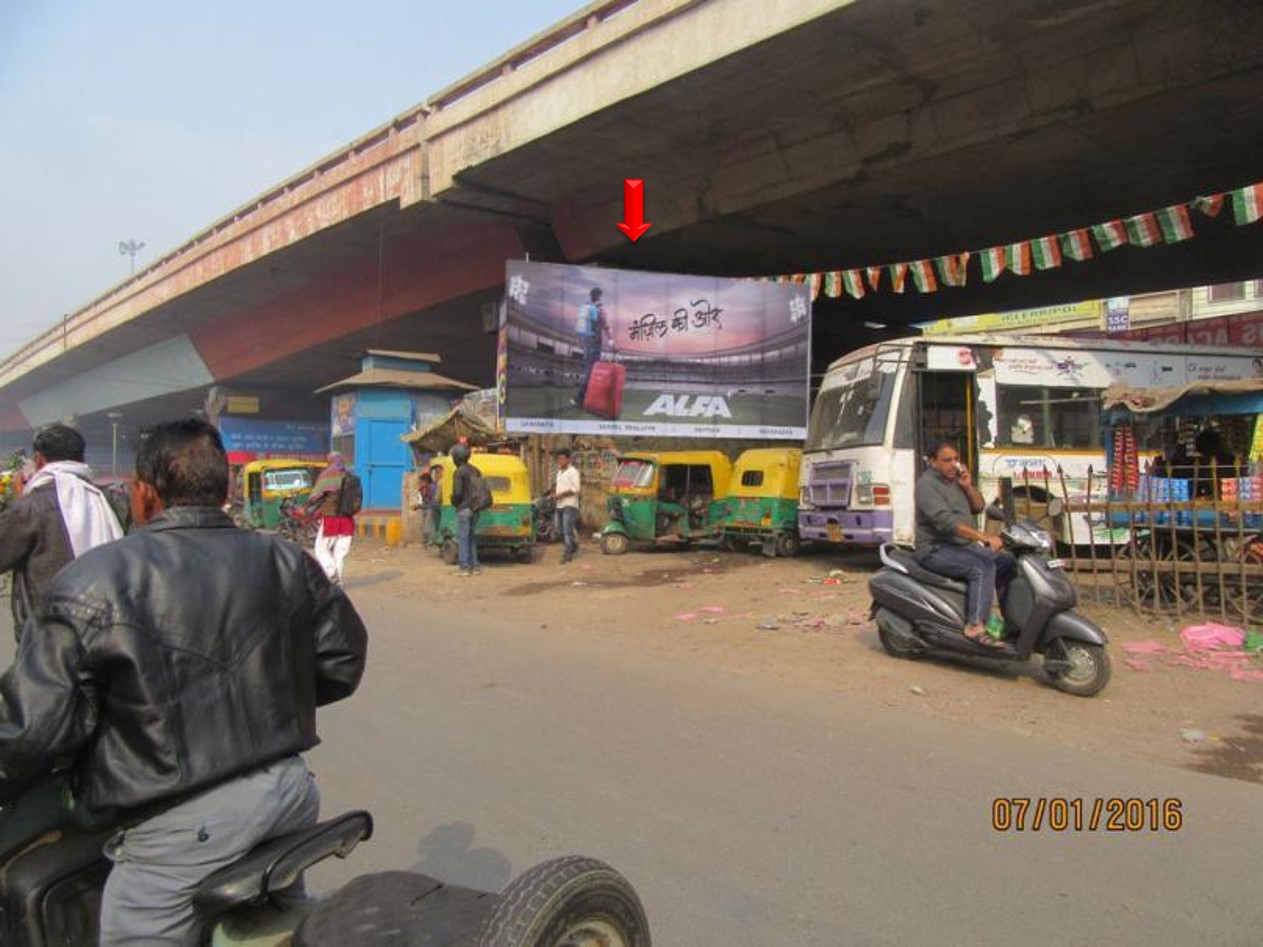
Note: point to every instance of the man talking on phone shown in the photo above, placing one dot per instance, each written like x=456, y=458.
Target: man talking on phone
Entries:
x=950, y=543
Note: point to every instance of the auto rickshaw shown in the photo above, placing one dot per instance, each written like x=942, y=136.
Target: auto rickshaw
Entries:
x=666, y=497
x=762, y=504
x=509, y=524
x=264, y=484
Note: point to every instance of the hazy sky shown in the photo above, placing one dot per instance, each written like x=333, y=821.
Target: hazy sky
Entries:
x=147, y=120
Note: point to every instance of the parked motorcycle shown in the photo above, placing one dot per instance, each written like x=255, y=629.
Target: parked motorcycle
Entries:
x=920, y=612
x=545, y=510
x=298, y=524
x=51, y=876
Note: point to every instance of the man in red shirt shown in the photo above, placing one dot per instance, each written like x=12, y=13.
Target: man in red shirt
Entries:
x=333, y=539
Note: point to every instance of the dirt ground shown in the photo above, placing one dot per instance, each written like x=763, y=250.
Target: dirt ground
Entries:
x=803, y=622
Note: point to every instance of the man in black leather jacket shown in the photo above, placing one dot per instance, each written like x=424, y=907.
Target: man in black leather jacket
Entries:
x=180, y=667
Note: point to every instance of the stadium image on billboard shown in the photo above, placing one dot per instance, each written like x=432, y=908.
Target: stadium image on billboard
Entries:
x=592, y=350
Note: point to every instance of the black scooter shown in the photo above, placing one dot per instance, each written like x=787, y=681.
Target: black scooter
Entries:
x=920, y=612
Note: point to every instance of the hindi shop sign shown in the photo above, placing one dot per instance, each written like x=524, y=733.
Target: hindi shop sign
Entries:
x=600, y=351
x=274, y=437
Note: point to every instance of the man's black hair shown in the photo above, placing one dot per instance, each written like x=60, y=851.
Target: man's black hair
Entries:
x=184, y=461
x=59, y=442
x=938, y=447
x=595, y=293
x=562, y=452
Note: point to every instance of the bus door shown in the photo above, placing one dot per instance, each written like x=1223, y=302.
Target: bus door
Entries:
x=947, y=402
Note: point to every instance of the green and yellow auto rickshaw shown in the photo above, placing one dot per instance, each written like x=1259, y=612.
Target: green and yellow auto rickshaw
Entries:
x=762, y=504
x=510, y=522
x=263, y=485
x=669, y=497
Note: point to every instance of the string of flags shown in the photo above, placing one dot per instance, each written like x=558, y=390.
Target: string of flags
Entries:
x=1169, y=225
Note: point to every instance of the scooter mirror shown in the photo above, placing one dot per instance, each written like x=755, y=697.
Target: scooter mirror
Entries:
x=1056, y=507
x=993, y=512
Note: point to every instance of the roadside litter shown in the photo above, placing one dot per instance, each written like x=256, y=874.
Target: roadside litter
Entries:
x=1207, y=647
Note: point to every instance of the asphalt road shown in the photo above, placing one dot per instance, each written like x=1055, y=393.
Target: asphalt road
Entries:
x=749, y=814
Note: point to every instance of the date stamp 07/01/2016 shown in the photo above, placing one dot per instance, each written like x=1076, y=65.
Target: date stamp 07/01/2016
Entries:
x=1079, y=814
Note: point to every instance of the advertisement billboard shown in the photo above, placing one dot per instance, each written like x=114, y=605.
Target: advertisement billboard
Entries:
x=591, y=350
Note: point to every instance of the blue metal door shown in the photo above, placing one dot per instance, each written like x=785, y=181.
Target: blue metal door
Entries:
x=382, y=459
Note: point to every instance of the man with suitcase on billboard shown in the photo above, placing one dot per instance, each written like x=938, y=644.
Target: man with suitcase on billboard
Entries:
x=593, y=328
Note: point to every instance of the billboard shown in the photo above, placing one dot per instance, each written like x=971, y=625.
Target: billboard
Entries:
x=601, y=351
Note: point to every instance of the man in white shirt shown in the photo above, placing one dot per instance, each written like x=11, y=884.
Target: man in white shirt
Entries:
x=566, y=495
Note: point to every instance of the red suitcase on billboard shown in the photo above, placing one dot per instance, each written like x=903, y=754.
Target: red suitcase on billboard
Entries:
x=605, y=390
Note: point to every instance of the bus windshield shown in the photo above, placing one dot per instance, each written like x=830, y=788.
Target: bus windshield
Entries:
x=852, y=415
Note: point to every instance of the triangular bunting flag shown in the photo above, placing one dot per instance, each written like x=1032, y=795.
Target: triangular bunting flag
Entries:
x=993, y=263
x=1076, y=245
x=1110, y=235
x=923, y=276
x=853, y=280
x=1247, y=204
x=952, y=269
x=898, y=274
x=1046, y=253
x=1175, y=223
x=1210, y=204
x=817, y=280
x=1143, y=230
x=833, y=284
x=874, y=278
x=1019, y=257
x=798, y=278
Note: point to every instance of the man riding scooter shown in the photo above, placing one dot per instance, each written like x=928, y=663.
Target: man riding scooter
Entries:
x=949, y=542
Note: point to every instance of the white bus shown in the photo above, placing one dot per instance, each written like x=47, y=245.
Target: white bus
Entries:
x=1016, y=407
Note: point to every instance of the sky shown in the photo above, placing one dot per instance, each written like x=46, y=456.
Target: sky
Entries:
x=147, y=120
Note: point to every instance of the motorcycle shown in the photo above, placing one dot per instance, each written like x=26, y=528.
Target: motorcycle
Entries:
x=298, y=524
x=545, y=511
x=919, y=612
x=52, y=874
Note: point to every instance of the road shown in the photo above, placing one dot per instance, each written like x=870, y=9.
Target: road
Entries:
x=746, y=813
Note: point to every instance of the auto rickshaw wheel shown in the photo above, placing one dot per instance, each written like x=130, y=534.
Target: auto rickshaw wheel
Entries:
x=613, y=544
x=730, y=543
x=788, y=544
x=449, y=553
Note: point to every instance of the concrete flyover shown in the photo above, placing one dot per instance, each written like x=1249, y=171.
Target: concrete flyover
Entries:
x=773, y=136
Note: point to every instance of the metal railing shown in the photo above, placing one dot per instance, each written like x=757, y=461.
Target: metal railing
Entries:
x=1158, y=548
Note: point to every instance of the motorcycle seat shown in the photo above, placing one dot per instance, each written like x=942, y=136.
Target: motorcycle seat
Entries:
x=904, y=560
x=276, y=864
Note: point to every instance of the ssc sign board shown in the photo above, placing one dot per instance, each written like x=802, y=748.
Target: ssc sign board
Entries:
x=599, y=351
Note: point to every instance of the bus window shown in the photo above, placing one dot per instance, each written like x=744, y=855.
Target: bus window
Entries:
x=852, y=415
x=1040, y=417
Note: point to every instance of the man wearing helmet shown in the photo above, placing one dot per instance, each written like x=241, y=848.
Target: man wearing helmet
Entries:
x=462, y=497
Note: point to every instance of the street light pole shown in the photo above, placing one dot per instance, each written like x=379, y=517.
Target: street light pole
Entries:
x=129, y=248
x=115, y=417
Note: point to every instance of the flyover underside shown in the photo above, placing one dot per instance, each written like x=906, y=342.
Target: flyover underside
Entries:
x=892, y=131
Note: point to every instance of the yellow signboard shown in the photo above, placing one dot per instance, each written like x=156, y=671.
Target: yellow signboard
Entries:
x=1086, y=311
x=241, y=404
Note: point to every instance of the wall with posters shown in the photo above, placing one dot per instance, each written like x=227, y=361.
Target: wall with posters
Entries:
x=689, y=356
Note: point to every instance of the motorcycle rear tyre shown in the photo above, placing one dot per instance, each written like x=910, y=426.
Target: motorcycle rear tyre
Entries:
x=569, y=900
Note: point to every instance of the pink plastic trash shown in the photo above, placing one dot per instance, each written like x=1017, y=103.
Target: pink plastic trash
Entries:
x=712, y=609
x=686, y=616
x=1212, y=635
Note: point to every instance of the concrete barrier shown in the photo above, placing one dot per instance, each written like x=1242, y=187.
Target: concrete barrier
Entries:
x=382, y=527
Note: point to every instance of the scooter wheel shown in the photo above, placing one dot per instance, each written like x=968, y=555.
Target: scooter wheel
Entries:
x=1089, y=670
x=894, y=644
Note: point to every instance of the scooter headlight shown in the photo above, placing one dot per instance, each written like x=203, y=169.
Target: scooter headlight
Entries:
x=1044, y=538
